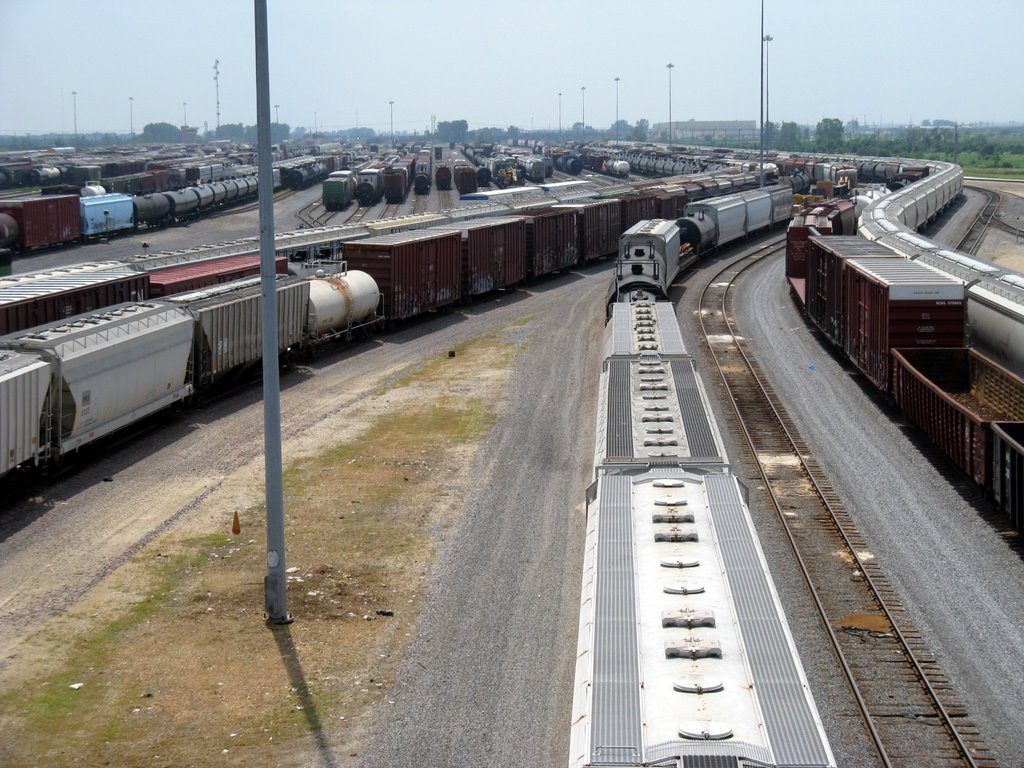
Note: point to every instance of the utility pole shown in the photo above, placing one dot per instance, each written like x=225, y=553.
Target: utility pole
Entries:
x=277, y=114
x=184, y=114
x=767, y=88
x=74, y=107
x=559, y=115
x=392, y=105
x=216, y=85
x=131, y=116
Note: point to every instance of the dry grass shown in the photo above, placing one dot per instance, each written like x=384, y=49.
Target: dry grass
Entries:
x=188, y=673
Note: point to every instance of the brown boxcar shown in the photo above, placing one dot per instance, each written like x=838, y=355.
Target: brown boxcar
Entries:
x=598, y=228
x=416, y=272
x=465, y=179
x=550, y=240
x=897, y=303
x=193, y=275
x=634, y=208
x=443, y=177
x=1008, y=470
x=826, y=261
x=672, y=202
x=493, y=253
x=954, y=395
x=45, y=221
x=30, y=300
x=395, y=184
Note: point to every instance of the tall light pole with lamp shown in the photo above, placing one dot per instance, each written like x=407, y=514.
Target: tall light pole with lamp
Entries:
x=74, y=107
x=617, y=110
x=131, y=116
x=767, y=91
x=559, y=115
x=670, y=66
x=392, y=105
x=583, y=91
x=760, y=175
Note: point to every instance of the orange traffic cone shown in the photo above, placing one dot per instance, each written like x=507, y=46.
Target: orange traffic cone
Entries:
x=236, y=527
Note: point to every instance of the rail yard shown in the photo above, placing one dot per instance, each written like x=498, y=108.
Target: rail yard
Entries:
x=726, y=407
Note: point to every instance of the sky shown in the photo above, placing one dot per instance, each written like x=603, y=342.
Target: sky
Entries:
x=336, y=64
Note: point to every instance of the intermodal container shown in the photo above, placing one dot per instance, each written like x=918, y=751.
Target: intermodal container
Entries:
x=416, y=272
x=598, y=228
x=550, y=240
x=45, y=221
x=898, y=303
x=954, y=395
x=192, y=276
x=493, y=253
x=1008, y=470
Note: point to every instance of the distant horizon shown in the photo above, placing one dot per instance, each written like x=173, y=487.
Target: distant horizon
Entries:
x=843, y=65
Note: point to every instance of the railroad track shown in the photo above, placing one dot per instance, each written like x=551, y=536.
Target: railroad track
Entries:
x=993, y=199
x=284, y=194
x=444, y=198
x=972, y=240
x=358, y=214
x=390, y=211
x=908, y=708
x=419, y=204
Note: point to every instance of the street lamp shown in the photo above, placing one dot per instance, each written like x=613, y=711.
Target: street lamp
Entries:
x=392, y=105
x=767, y=92
x=616, y=110
x=184, y=114
x=277, y=115
x=670, y=66
x=559, y=115
x=74, y=107
x=131, y=116
x=583, y=90
x=761, y=174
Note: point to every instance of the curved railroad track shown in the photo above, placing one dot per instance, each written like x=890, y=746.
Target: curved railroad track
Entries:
x=908, y=709
x=252, y=206
x=987, y=218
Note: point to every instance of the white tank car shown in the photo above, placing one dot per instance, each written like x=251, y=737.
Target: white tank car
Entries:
x=341, y=302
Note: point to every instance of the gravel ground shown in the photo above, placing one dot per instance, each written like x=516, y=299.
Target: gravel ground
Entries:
x=961, y=584
x=488, y=679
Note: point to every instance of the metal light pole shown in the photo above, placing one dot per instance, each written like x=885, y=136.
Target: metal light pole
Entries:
x=583, y=90
x=131, y=116
x=616, y=110
x=761, y=174
x=74, y=107
x=277, y=115
x=275, y=583
x=559, y=115
x=767, y=90
x=670, y=66
x=392, y=105
x=184, y=113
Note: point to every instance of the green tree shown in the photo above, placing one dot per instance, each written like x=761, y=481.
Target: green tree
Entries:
x=789, y=136
x=452, y=130
x=163, y=133
x=641, y=130
x=829, y=133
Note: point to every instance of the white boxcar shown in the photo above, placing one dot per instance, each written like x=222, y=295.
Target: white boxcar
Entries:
x=112, y=368
x=24, y=382
x=230, y=317
x=782, y=204
x=759, y=209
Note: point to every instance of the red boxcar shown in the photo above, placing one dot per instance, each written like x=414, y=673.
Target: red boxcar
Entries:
x=954, y=395
x=672, y=202
x=443, y=177
x=1008, y=470
x=465, y=179
x=193, y=275
x=598, y=228
x=416, y=272
x=47, y=220
x=550, y=240
x=493, y=253
x=898, y=303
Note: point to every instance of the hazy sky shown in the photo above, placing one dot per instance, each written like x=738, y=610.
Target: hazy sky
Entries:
x=498, y=63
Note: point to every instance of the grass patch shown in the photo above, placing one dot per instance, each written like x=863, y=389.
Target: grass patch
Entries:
x=189, y=672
